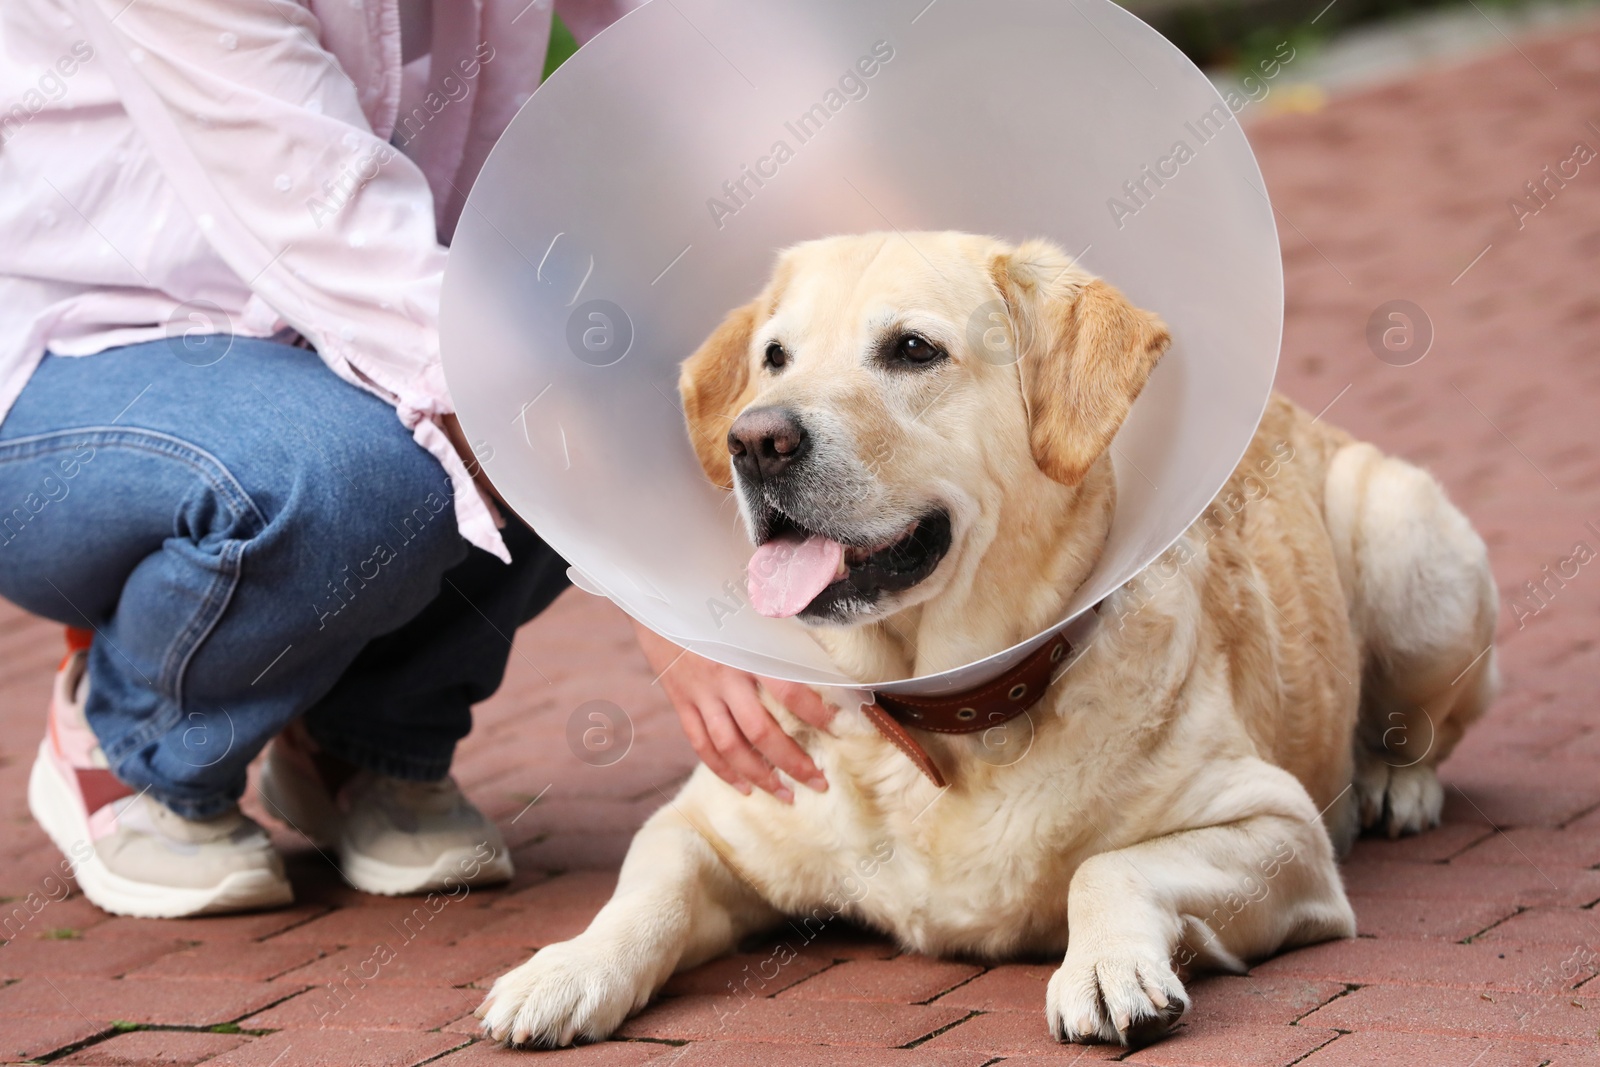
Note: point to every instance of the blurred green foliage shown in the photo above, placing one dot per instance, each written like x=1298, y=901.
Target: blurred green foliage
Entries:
x=1239, y=34
x=562, y=45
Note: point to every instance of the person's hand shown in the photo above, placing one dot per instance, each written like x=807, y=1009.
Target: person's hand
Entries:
x=731, y=730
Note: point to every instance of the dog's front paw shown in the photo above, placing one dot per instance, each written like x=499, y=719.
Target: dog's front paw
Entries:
x=567, y=992
x=1123, y=995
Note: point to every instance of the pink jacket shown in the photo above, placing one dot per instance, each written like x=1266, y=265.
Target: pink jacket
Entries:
x=259, y=167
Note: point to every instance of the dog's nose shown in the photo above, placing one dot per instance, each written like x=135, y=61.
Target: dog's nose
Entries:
x=765, y=441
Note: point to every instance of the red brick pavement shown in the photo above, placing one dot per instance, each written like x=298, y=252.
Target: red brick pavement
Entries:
x=1478, y=940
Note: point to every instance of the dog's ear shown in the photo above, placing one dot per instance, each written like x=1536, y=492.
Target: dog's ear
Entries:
x=1085, y=353
x=715, y=384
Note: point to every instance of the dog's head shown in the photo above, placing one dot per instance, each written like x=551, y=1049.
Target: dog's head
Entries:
x=887, y=395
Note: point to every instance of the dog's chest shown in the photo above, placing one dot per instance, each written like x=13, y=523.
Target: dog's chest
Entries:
x=980, y=869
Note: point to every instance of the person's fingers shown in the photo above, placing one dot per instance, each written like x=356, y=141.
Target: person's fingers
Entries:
x=763, y=731
x=803, y=702
x=695, y=730
x=735, y=748
x=726, y=724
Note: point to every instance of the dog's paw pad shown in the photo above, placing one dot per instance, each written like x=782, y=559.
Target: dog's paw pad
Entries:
x=1123, y=998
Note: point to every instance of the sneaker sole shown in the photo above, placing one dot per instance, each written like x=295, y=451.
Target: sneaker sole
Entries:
x=447, y=872
x=57, y=809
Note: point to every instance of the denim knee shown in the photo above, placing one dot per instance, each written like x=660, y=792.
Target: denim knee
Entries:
x=376, y=540
x=243, y=532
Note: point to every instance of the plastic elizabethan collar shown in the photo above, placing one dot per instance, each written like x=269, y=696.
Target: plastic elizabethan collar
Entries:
x=643, y=191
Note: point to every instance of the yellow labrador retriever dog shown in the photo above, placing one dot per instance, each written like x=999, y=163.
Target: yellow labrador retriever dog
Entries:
x=1290, y=671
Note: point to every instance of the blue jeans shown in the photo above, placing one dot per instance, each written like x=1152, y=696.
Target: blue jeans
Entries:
x=252, y=541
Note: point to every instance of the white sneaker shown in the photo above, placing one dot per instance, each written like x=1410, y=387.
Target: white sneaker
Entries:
x=391, y=836
x=131, y=854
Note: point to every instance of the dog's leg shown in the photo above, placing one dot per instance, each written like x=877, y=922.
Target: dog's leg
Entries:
x=1423, y=603
x=1207, y=898
x=677, y=904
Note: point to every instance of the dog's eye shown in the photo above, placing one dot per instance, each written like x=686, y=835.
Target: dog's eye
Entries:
x=776, y=356
x=914, y=349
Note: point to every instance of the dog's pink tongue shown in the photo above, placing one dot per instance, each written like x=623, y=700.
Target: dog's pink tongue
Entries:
x=787, y=573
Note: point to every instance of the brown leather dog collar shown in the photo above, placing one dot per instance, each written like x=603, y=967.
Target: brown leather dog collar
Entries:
x=971, y=710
